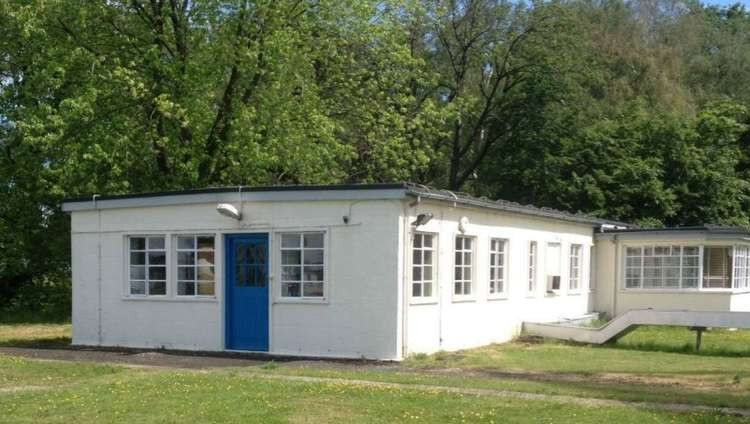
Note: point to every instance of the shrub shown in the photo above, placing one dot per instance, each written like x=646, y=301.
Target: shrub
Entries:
x=44, y=299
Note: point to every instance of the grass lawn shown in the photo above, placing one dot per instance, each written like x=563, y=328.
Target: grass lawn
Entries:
x=31, y=390
x=116, y=394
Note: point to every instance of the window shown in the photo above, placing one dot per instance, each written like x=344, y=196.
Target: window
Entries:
x=662, y=267
x=532, y=267
x=497, y=266
x=574, y=276
x=717, y=268
x=302, y=265
x=422, y=275
x=195, y=265
x=592, y=268
x=553, y=267
x=741, y=267
x=148, y=266
x=462, y=266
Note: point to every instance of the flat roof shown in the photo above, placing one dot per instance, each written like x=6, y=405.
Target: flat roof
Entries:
x=705, y=230
x=399, y=190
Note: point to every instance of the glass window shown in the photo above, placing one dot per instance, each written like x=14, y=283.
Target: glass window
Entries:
x=195, y=265
x=148, y=266
x=662, y=267
x=303, y=265
x=741, y=267
x=592, y=268
x=463, y=266
x=532, y=267
x=423, y=266
x=717, y=267
x=574, y=274
x=498, y=247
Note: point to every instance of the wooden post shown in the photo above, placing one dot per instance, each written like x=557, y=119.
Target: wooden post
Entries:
x=698, y=337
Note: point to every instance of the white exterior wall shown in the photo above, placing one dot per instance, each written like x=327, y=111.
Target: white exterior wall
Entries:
x=613, y=299
x=358, y=319
x=447, y=323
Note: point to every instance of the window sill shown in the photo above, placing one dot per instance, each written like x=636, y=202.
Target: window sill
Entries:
x=679, y=291
x=460, y=299
x=497, y=297
x=573, y=293
x=429, y=301
x=207, y=299
x=283, y=301
x=555, y=293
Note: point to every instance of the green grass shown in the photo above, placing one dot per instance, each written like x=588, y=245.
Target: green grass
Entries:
x=616, y=371
x=149, y=396
x=717, y=342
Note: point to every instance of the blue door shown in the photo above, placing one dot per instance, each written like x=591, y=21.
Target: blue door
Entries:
x=247, y=291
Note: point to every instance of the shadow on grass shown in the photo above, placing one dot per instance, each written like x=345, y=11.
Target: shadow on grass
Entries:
x=686, y=348
x=51, y=342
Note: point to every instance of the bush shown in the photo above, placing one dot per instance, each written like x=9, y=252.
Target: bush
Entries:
x=45, y=299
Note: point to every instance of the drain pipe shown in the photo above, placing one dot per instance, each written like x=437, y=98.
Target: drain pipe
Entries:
x=99, y=269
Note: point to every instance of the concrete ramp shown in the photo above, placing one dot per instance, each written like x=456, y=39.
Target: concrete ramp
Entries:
x=628, y=321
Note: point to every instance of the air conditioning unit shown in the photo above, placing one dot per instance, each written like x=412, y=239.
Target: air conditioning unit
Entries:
x=553, y=283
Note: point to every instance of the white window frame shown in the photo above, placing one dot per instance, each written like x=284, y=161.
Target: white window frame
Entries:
x=128, y=281
x=278, y=236
x=500, y=277
x=472, y=269
x=577, y=266
x=434, y=264
x=741, y=267
x=592, y=268
x=176, y=264
x=532, y=262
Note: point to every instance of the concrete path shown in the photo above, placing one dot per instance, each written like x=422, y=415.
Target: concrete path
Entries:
x=201, y=362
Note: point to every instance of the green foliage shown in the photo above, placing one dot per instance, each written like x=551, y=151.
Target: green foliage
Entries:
x=628, y=110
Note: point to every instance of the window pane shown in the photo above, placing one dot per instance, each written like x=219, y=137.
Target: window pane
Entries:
x=205, y=258
x=137, y=272
x=467, y=288
x=313, y=273
x=156, y=243
x=428, y=240
x=417, y=240
x=185, y=288
x=416, y=289
x=416, y=257
x=185, y=258
x=291, y=273
x=205, y=289
x=157, y=287
x=186, y=242
x=427, y=289
x=137, y=243
x=457, y=288
x=416, y=273
x=137, y=287
x=186, y=273
x=290, y=289
x=427, y=273
x=157, y=258
x=157, y=273
x=291, y=257
x=459, y=258
x=467, y=273
x=458, y=273
x=290, y=240
x=206, y=273
x=205, y=243
x=313, y=290
x=314, y=257
x=427, y=257
x=459, y=243
x=467, y=258
x=137, y=258
x=314, y=240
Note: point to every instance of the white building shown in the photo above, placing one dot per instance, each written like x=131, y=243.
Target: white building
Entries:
x=376, y=271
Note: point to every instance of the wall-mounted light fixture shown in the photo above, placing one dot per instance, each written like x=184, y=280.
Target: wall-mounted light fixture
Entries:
x=229, y=211
x=422, y=219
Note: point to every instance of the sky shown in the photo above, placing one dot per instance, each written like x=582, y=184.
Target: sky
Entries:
x=726, y=2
